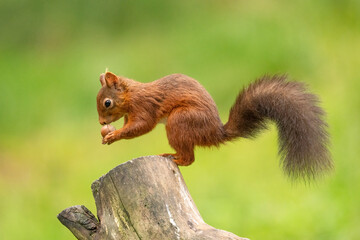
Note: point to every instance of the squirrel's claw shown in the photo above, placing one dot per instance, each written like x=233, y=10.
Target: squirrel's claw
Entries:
x=109, y=138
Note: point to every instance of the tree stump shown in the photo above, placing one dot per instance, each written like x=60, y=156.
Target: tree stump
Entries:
x=144, y=198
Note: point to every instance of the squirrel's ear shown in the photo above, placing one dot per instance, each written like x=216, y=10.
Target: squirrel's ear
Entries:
x=102, y=79
x=111, y=80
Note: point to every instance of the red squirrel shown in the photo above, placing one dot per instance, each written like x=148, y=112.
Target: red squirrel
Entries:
x=192, y=119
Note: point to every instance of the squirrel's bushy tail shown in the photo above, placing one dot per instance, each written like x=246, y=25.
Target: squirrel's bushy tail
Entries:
x=303, y=137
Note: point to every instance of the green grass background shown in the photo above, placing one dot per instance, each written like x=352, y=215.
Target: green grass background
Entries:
x=51, y=55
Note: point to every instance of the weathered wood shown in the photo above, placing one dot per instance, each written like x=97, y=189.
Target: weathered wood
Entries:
x=144, y=198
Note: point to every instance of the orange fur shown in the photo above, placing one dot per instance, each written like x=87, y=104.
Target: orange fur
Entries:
x=192, y=118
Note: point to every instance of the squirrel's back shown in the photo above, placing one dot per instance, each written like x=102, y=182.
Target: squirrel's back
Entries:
x=173, y=92
x=182, y=89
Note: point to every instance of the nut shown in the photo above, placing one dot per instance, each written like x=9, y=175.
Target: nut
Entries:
x=107, y=129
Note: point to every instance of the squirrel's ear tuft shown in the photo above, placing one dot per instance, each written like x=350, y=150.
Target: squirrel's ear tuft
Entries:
x=102, y=79
x=111, y=80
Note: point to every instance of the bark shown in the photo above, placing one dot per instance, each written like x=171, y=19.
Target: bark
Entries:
x=144, y=198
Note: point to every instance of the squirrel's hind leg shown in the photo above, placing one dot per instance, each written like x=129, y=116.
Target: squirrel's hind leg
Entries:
x=181, y=136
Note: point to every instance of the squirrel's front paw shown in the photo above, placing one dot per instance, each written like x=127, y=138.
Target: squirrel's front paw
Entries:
x=110, y=138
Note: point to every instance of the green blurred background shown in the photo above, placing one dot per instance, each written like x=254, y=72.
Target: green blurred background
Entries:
x=51, y=55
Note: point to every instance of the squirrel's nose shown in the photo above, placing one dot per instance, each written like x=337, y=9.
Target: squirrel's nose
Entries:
x=102, y=122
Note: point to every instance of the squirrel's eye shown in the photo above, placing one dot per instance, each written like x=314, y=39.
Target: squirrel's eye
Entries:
x=107, y=103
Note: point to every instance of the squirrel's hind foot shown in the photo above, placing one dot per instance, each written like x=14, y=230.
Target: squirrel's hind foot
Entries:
x=176, y=159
